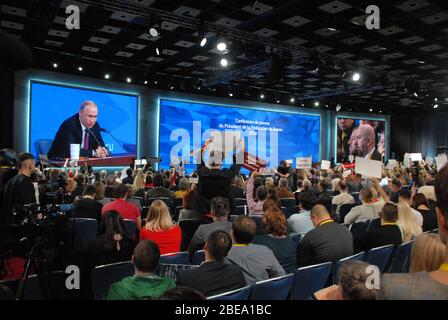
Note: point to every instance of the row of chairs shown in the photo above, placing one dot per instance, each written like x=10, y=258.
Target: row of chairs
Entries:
x=305, y=281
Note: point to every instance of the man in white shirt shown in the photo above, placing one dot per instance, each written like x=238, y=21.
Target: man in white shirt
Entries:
x=343, y=198
x=301, y=223
x=406, y=197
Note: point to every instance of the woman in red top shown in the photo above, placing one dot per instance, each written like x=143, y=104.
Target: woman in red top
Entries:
x=160, y=228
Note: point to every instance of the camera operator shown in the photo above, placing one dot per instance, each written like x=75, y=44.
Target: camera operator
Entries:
x=7, y=172
x=19, y=190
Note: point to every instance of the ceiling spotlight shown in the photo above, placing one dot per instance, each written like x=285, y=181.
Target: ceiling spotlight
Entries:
x=415, y=94
x=278, y=101
x=316, y=103
x=292, y=100
x=128, y=80
x=326, y=106
x=435, y=99
x=79, y=68
x=203, y=42
x=172, y=87
x=371, y=110
x=356, y=76
x=155, y=82
x=55, y=65
x=381, y=111
x=153, y=31
x=303, y=104
x=146, y=82
x=157, y=51
x=230, y=94
x=261, y=96
x=106, y=76
x=436, y=106
x=332, y=29
x=224, y=62
x=221, y=46
x=338, y=107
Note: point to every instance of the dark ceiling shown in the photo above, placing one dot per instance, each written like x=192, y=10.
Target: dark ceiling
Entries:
x=281, y=49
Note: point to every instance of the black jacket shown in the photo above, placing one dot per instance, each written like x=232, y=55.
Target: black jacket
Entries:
x=70, y=132
x=213, y=278
x=387, y=234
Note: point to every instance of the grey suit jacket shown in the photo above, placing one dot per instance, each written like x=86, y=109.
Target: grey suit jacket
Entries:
x=203, y=232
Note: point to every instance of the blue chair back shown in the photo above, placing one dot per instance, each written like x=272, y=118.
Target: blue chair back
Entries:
x=188, y=227
x=379, y=256
x=338, y=264
x=103, y=277
x=344, y=209
x=289, y=204
x=296, y=239
x=238, y=294
x=308, y=280
x=85, y=231
x=198, y=257
x=272, y=289
x=130, y=226
x=175, y=258
x=358, y=228
x=401, y=257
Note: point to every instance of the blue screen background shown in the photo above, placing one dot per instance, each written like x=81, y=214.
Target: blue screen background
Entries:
x=52, y=104
x=300, y=136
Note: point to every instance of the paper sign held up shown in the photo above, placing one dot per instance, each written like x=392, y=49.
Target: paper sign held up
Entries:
x=441, y=161
x=325, y=165
x=416, y=157
x=391, y=164
x=369, y=168
x=303, y=163
x=193, y=180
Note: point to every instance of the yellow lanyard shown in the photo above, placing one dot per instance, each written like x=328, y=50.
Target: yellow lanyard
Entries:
x=389, y=224
x=240, y=245
x=343, y=136
x=444, y=267
x=325, y=221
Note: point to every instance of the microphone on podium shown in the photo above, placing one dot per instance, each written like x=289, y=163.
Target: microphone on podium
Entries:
x=98, y=142
x=113, y=137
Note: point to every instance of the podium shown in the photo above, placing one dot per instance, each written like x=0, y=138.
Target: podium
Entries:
x=116, y=161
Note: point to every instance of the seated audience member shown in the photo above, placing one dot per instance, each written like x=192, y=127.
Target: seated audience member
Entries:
x=395, y=187
x=283, y=192
x=299, y=186
x=131, y=199
x=352, y=284
x=182, y=293
x=305, y=193
x=160, y=228
x=273, y=196
x=81, y=180
x=408, y=222
x=388, y=233
x=187, y=212
x=405, y=197
x=110, y=186
x=184, y=186
x=87, y=207
x=276, y=239
x=258, y=262
x=343, y=197
x=428, y=191
x=366, y=211
x=129, y=177
x=220, y=215
x=159, y=191
x=69, y=187
x=300, y=223
x=424, y=285
x=269, y=182
x=420, y=203
x=139, y=185
x=113, y=244
x=214, y=276
x=328, y=241
x=354, y=183
x=428, y=253
x=99, y=193
x=144, y=284
x=234, y=191
x=149, y=181
x=126, y=210
x=255, y=206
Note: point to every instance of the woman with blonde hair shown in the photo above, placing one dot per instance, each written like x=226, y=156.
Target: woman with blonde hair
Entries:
x=139, y=185
x=408, y=222
x=160, y=228
x=428, y=253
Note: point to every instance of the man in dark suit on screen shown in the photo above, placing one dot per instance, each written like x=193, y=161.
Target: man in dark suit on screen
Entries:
x=365, y=142
x=83, y=129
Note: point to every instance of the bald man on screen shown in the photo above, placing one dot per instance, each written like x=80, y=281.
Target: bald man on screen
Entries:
x=365, y=143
